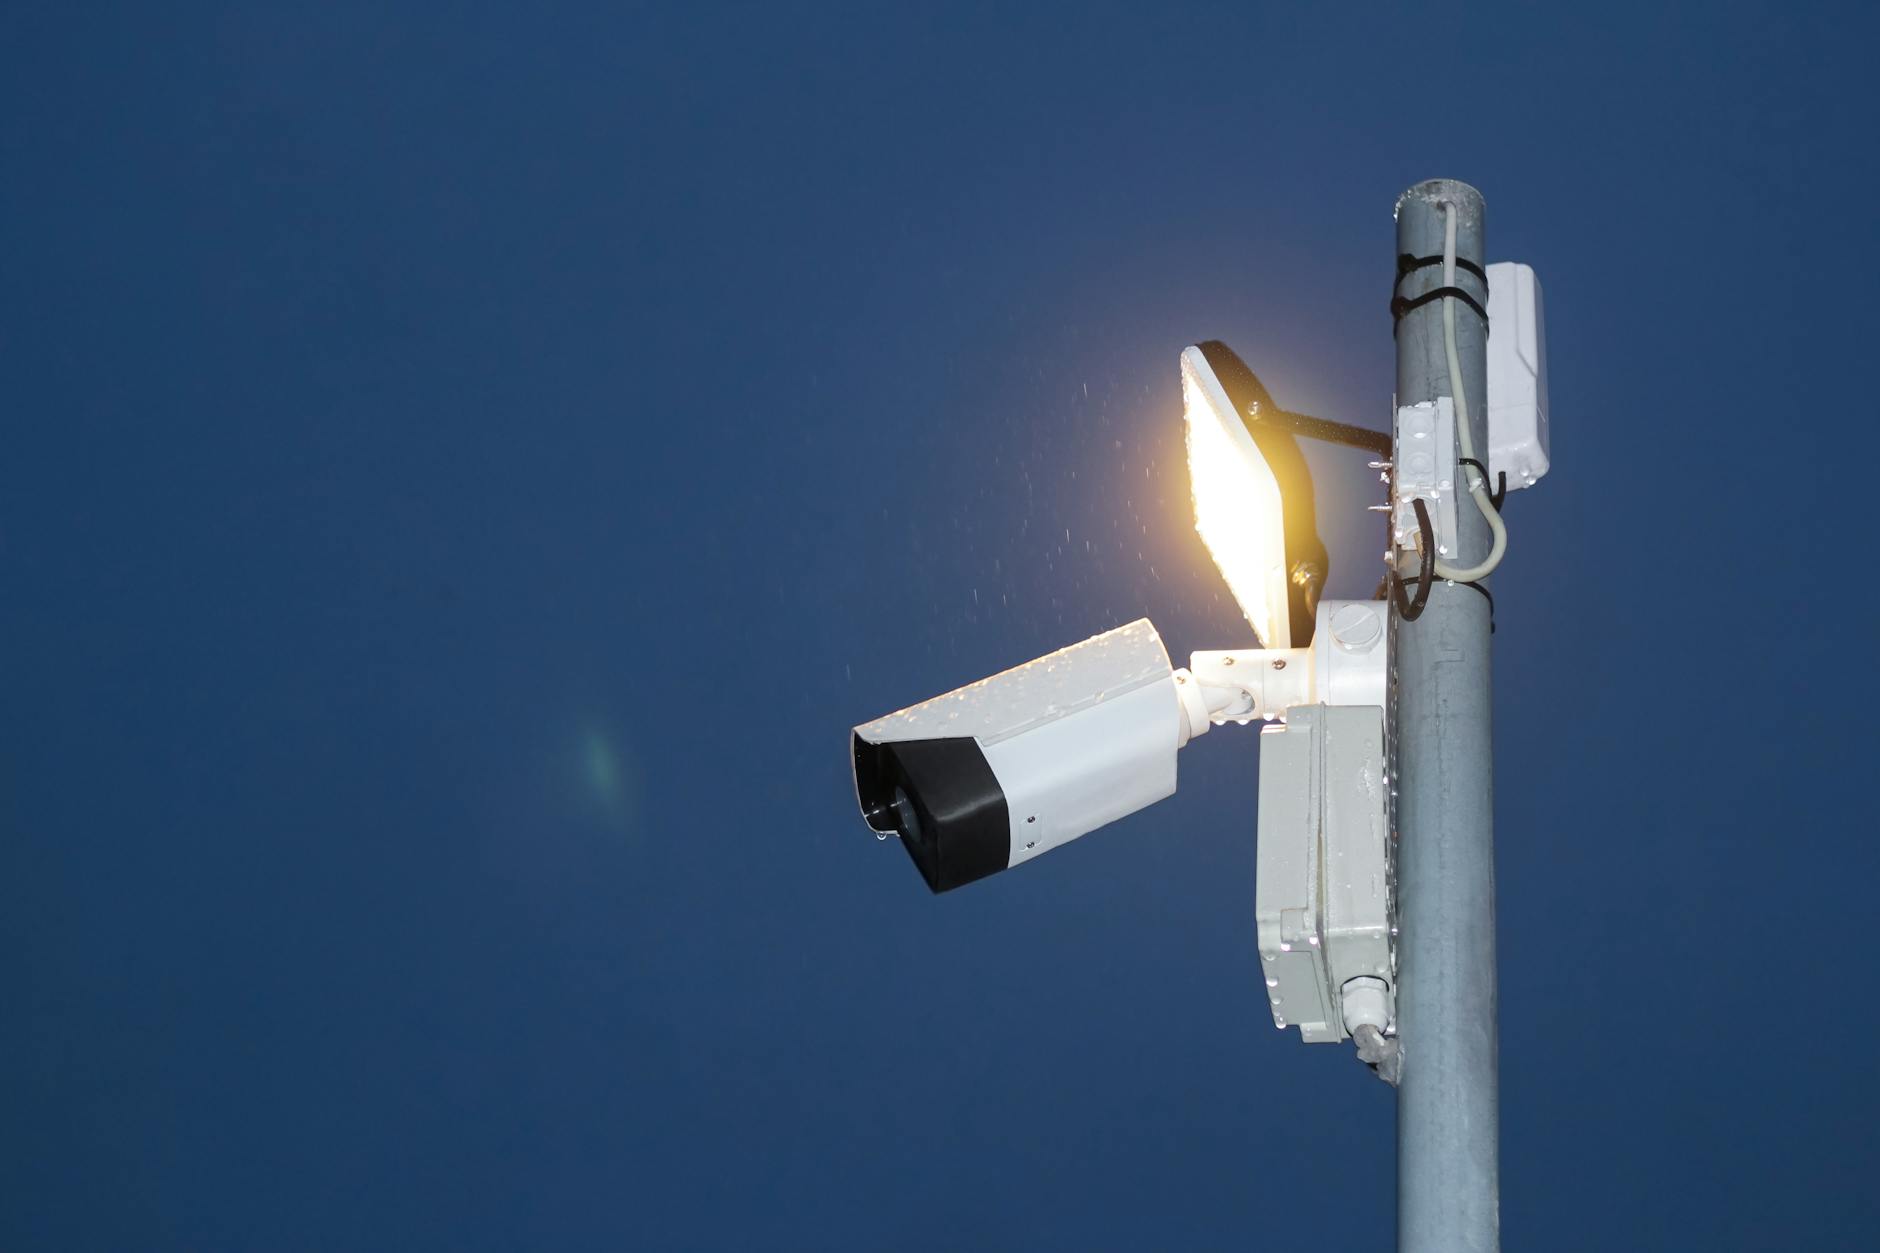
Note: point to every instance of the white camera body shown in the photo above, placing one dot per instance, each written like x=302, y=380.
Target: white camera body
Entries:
x=997, y=772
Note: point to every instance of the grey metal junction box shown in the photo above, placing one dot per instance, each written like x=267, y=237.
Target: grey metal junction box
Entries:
x=1323, y=893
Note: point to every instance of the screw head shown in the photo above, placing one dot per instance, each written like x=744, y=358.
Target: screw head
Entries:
x=1355, y=628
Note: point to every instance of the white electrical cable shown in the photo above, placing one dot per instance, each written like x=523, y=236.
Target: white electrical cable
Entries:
x=1478, y=485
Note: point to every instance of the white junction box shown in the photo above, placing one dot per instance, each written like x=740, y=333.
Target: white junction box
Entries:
x=1517, y=376
x=1323, y=894
x=1426, y=469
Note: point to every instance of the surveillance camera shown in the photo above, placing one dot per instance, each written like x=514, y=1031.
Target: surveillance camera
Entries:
x=1012, y=766
x=995, y=773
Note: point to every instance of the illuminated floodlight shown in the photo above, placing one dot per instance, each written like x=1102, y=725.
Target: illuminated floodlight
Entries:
x=1252, y=496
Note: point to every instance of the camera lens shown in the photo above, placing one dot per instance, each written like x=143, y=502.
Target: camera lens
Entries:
x=906, y=821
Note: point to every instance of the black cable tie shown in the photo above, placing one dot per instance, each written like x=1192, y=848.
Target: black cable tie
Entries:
x=1486, y=595
x=1500, y=493
x=1400, y=305
x=1407, y=264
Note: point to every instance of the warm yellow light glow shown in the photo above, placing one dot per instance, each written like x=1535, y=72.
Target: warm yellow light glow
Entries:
x=1237, y=503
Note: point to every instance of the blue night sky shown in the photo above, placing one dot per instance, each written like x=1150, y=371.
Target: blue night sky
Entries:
x=466, y=472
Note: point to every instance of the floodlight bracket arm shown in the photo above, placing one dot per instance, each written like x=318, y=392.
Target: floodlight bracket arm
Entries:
x=1324, y=430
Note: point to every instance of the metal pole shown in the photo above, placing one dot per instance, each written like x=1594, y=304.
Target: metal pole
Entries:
x=1448, y=1189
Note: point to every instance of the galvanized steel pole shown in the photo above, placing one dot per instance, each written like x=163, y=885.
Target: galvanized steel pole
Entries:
x=1448, y=1188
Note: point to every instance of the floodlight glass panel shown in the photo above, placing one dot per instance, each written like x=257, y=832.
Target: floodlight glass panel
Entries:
x=1238, y=508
